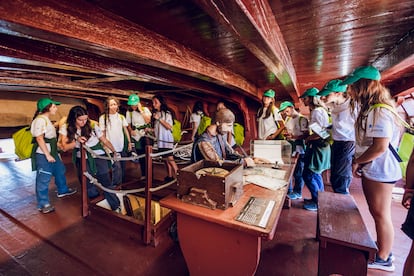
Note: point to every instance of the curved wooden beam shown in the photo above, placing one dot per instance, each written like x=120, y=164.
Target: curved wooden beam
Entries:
x=254, y=24
x=80, y=25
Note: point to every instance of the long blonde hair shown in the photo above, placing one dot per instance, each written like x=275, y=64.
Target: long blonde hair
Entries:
x=366, y=94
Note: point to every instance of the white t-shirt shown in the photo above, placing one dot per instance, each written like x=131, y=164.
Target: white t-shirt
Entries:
x=297, y=126
x=164, y=136
x=384, y=168
x=92, y=141
x=268, y=126
x=136, y=118
x=42, y=125
x=114, y=129
x=195, y=118
x=343, y=122
x=320, y=116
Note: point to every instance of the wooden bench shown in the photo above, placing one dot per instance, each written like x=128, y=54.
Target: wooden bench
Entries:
x=345, y=245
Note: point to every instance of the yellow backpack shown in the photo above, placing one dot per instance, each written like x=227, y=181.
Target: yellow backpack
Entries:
x=238, y=134
x=23, y=142
x=176, y=131
x=205, y=121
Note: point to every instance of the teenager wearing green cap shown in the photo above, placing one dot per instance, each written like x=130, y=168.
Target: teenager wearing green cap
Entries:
x=344, y=114
x=270, y=123
x=138, y=118
x=318, y=151
x=296, y=130
x=45, y=157
x=377, y=135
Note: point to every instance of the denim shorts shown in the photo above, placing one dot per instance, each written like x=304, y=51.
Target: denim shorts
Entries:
x=408, y=225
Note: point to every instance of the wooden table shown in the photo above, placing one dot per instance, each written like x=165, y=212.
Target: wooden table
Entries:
x=214, y=243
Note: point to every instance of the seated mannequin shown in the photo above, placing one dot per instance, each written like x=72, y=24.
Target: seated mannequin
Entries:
x=212, y=144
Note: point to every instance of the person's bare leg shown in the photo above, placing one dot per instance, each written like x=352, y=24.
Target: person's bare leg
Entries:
x=379, y=196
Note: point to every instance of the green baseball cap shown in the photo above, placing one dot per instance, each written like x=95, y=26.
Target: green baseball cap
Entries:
x=43, y=102
x=269, y=93
x=311, y=92
x=133, y=99
x=363, y=72
x=285, y=105
x=332, y=86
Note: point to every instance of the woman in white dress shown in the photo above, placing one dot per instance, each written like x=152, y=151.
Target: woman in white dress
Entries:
x=163, y=122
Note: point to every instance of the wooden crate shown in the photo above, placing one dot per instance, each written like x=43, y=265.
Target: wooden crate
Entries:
x=210, y=191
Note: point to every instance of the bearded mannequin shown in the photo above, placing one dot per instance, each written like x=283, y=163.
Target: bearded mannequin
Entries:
x=212, y=144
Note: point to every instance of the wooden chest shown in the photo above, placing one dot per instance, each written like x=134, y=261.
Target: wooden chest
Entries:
x=210, y=189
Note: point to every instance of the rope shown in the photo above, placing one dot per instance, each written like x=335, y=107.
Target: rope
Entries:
x=95, y=182
x=136, y=157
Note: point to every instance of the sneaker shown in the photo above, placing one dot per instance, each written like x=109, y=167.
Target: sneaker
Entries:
x=118, y=210
x=69, y=192
x=293, y=195
x=381, y=264
x=391, y=257
x=310, y=206
x=298, y=195
x=46, y=209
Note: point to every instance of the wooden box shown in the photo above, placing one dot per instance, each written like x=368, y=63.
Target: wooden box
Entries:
x=211, y=190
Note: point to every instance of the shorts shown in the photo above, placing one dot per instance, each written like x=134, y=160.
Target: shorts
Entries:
x=165, y=149
x=408, y=226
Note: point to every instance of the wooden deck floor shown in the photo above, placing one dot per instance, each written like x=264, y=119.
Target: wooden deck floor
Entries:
x=63, y=243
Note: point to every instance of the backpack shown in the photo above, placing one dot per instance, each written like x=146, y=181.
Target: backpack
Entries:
x=238, y=134
x=205, y=121
x=176, y=131
x=23, y=142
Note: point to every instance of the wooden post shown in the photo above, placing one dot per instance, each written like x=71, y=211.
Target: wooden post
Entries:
x=148, y=185
x=85, y=200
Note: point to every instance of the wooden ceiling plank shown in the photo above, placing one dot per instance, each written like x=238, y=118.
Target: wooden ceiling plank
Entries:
x=100, y=80
x=397, y=66
x=78, y=87
x=23, y=52
x=80, y=25
x=265, y=39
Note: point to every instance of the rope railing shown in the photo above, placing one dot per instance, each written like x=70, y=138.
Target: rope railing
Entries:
x=135, y=157
x=95, y=181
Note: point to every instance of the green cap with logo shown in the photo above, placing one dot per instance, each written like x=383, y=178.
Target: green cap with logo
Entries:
x=43, y=102
x=133, y=99
x=269, y=93
x=363, y=72
x=332, y=86
x=311, y=92
x=285, y=105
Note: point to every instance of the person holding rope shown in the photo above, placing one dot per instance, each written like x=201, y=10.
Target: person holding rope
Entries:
x=163, y=121
x=80, y=130
x=139, y=123
x=114, y=127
